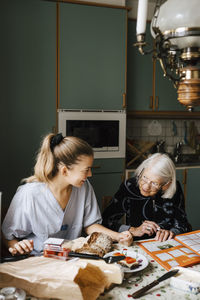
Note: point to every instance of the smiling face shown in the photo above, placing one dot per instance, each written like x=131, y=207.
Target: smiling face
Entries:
x=78, y=173
x=149, y=183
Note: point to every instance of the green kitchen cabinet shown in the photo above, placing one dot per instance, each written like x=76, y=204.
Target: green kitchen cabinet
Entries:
x=28, y=87
x=147, y=88
x=192, y=200
x=181, y=177
x=92, y=57
x=107, y=175
x=139, y=73
x=189, y=179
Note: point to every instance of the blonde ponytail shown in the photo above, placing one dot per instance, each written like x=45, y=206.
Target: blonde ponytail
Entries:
x=54, y=150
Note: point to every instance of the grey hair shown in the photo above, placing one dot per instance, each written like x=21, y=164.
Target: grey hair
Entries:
x=161, y=165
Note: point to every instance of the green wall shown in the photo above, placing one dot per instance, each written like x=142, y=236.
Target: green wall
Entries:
x=28, y=87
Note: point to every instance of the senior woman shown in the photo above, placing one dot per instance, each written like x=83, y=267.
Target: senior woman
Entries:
x=151, y=202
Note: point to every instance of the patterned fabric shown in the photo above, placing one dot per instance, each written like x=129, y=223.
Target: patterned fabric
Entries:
x=129, y=204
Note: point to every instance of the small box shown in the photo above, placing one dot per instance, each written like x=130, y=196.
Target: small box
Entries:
x=187, y=280
x=53, y=248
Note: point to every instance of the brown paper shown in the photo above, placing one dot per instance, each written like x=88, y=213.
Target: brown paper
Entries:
x=113, y=272
x=52, y=278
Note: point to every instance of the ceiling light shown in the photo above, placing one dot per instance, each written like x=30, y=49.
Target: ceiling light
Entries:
x=175, y=27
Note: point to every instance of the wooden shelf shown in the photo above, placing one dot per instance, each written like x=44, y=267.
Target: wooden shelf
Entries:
x=163, y=114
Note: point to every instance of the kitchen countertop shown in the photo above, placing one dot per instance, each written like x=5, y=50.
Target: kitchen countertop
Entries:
x=184, y=161
x=178, y=166
x=188, y=165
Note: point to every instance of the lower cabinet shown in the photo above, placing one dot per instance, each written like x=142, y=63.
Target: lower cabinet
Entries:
x=107, y=175
x=181, y=176
x=193, y=198
x=190, y=180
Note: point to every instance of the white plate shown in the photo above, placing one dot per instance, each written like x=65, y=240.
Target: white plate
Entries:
x=139, y=257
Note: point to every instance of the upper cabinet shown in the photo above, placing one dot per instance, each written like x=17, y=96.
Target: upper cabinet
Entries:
x=147, y=88
x=139, y=74
x=92, y=57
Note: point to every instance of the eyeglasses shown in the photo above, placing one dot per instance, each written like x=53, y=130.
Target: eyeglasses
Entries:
x=154, y=185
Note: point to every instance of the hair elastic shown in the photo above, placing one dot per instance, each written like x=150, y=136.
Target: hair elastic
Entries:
x=55, y=140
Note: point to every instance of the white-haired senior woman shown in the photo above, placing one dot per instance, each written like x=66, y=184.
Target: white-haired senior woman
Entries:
x=152, y=202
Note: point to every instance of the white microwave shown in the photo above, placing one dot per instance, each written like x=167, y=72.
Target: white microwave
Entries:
x=104, y=130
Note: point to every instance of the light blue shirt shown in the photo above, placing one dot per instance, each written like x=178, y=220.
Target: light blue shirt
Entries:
x=35, y=214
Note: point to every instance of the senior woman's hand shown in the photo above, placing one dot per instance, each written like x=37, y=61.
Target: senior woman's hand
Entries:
x=147, y=227
x=163, y=235
x=125, y=238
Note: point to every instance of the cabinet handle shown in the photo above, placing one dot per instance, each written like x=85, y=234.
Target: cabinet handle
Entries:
x=53, y=129
x=151, y=102
x=96, y=167
x=122, y=177
x=157, y=102
x=124, y=101
x=185, y=176
x=184, y=186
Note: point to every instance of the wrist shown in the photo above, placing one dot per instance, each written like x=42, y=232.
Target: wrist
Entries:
x=132, y=231
x=11, y=243
x=115, y=236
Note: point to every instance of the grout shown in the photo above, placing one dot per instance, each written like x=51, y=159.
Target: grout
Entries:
x=138, y=129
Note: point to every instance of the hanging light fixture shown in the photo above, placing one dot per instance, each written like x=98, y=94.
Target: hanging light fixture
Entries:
x=175, y=27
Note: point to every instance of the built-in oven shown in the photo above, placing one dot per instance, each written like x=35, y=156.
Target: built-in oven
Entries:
x=104, y=130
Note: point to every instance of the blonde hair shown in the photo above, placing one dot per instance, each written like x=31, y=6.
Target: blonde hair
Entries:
x=161, y=165
x=67, y=151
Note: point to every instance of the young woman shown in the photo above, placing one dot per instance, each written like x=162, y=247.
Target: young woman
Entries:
x=58, y=200
x=152, y=202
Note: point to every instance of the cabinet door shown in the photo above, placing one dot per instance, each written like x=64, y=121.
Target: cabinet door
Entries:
x=181, y=177
x=105, y=185
x=139, y=72
x=92, y=57
x=193, y=199
x=107, y=175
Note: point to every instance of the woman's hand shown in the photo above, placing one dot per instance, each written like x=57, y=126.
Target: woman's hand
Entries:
x=125, y=238
x=20, y=247
x=163, y=235
x=147, y=227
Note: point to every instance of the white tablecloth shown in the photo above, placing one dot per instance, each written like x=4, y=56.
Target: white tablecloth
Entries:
x=144, y=277
x=137, y=280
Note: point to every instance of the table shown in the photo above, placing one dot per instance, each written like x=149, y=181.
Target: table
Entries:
x=136, y=280
x=144, y=277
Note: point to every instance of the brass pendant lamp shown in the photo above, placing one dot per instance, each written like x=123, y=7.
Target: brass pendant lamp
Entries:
x=175, y=27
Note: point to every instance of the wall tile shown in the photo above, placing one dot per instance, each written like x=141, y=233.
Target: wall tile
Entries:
x=138, y=129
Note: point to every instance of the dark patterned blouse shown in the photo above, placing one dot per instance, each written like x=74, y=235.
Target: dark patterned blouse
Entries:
x=130, y=206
